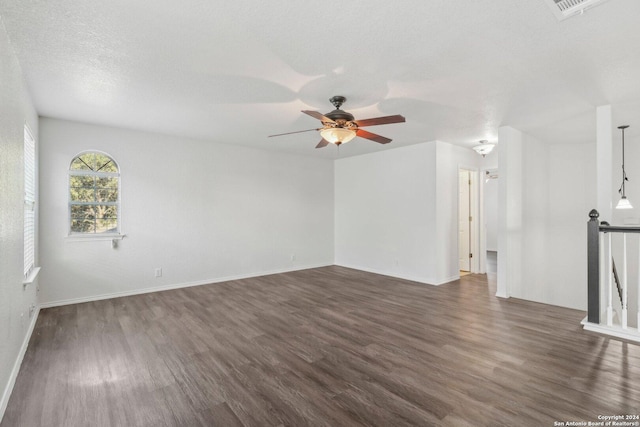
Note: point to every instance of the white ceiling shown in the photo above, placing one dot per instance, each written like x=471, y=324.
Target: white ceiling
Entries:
x=235, y=72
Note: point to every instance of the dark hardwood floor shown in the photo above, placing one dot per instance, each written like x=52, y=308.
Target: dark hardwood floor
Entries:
x=330, y=347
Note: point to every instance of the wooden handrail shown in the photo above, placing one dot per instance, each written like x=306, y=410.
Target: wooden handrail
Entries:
x=618, y=229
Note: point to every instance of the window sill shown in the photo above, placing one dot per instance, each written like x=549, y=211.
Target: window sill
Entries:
x=94, y=237
x=31, y=277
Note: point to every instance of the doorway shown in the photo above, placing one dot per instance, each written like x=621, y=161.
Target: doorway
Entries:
x=490, y=222
x=465, y=220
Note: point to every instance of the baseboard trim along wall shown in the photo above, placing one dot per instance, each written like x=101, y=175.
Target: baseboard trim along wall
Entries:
x=614, y=331
x=448, y=279
x=431, y=282
x=173, y=286
x=16, y=366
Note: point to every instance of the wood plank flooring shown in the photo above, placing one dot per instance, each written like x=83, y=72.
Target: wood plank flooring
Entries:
x=324, y=347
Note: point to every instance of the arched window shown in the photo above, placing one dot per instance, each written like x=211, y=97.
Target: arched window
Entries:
x=94, y=194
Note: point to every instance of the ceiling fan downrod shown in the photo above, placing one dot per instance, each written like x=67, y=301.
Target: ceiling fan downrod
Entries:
x=337, y=101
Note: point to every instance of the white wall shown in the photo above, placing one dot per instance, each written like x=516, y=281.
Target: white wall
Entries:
x=489, y=194
x=491, y=214
x=510, y=189
x=15, y=110
x=449, y=158
x=201, y=211
x=604, y=156
x=534, y=281
x=396, y=211
x=548, y=190
x=386, y=212
x=572, y=194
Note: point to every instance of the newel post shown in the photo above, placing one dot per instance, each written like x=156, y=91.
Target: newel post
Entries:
x=593, y=267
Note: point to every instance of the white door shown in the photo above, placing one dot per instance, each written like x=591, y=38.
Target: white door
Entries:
x=464, y=219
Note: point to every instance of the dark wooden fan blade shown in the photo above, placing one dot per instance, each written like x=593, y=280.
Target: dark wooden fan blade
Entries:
x=381, y=121
x=291, y=133
x=318, y=116
x=322, y=143
x=372, y=136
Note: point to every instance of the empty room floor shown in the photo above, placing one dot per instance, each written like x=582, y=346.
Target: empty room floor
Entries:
x=329, y=346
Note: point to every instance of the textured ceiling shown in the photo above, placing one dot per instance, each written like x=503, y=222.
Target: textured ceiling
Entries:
x=235, y=72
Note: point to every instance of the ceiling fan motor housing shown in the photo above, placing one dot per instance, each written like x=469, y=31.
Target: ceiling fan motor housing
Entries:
x=340, y=116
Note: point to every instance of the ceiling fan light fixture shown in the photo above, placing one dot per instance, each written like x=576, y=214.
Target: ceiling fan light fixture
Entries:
x=484, y=148
x=338, y=135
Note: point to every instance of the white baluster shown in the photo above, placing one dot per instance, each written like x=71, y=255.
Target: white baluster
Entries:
x=608, y=271
x=624, y=281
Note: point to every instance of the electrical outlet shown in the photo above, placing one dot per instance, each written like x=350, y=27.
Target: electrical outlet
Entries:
x=293, y=257
x=158, y=272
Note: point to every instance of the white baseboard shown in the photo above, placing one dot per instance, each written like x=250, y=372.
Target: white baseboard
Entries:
x=174, y=286
x=501, y=294
x=16, y=366
x=447, y=280
x=397, y=275
x=631, y=334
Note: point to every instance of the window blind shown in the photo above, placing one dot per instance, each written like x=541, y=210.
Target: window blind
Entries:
x=29, y=201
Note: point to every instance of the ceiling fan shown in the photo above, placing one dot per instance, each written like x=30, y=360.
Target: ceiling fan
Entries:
x=340, y=127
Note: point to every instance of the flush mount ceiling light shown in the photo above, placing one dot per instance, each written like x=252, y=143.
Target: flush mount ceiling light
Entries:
x=484, y=147
x=624, y=203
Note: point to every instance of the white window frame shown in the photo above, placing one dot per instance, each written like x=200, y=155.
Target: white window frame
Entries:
x=30, y=188
x=95, y=236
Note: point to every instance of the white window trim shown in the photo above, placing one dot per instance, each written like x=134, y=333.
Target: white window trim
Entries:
x=95, y=237
x=30, y=271
x=77, y=237
x=31, y=277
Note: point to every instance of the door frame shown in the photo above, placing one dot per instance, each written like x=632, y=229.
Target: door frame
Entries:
x=483, y=228
x=475, y=212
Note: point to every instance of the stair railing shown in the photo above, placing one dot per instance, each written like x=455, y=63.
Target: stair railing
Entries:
x=598, y=255
x=616, y=278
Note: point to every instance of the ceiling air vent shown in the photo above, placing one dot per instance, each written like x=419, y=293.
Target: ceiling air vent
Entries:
x=564, y=9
